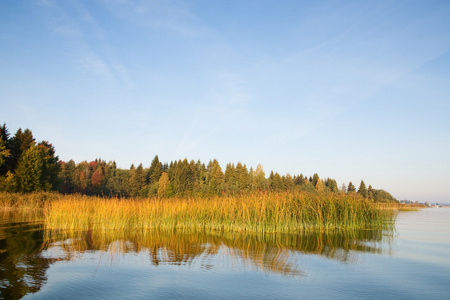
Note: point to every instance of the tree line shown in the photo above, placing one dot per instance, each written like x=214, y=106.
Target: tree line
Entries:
x=27, y=166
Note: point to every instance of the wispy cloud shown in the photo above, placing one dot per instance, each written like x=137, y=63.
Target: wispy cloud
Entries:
x=77, y=27
x=168, y=16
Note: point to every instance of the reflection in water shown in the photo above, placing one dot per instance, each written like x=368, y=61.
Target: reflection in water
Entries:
x=273, y=253
x=22, y=266
x=27, y=250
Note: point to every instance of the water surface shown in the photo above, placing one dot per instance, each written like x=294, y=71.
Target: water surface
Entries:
x=410, y=262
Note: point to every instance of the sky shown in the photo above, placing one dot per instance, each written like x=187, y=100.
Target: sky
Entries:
x=351, y=90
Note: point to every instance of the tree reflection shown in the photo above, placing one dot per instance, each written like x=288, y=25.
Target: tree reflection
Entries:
x=27, y=251
x=22, y=266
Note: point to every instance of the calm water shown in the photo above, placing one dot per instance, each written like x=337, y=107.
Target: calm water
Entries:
x=410, y=262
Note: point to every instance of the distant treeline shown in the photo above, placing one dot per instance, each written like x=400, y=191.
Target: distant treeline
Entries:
x=27, y=166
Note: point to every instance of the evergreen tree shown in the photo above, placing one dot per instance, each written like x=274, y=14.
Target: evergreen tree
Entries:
x=50, y=166
x=243, y=178
x=21, y=142
x=201, y=186
x=299, y=180
x=215, y=177
x=277, y=182
x=113, y=184
x=230, y=179
x=4, y=135
x=288, y=182
x=351, y=188
x=66, y=177
x=362, y=189
x=155, y=170
x=315, y=179
x=331, y=184
x=182, y=180
x=136, y=180
x=29, y=170
x=370, y=192
x=4, y=152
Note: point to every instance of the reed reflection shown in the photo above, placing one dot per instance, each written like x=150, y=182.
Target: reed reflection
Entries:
x=275, y=253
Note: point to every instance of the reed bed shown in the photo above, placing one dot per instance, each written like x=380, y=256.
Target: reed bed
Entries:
x=288, y=212
x=27, y=202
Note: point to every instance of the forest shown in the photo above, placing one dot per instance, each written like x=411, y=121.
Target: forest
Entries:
x=29, y=166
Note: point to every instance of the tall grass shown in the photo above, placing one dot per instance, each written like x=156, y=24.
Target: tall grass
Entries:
x=289, y=212
x=32, y=201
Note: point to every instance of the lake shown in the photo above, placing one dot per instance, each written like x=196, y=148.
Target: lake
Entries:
x=409, y=261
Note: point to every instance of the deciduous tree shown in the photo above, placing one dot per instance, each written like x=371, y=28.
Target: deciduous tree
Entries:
x=163, y=185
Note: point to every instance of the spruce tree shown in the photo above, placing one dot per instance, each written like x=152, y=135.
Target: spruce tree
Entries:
x=215, y=177
x=315, y=179
x=277, y=182
x=50, y=166
x=5, y=151
x=155, y=170
x=136, y=180
x=29, y=171
x=351, y=188
x=370, y=192
x=362, y=189
x=21, y=142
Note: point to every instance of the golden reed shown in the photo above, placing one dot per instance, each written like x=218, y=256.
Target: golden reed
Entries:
x=259, y=212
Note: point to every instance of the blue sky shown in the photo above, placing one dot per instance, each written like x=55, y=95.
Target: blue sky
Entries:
x=352, y=90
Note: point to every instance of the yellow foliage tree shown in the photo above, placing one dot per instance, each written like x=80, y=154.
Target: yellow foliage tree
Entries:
x=163, y=184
